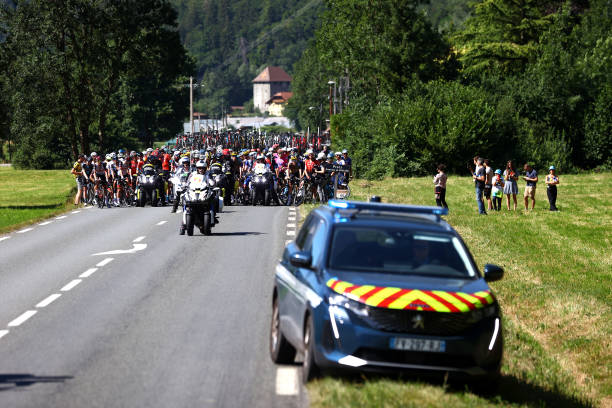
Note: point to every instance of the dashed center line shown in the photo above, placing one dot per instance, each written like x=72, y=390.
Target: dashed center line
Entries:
x=24, y=230
x=21, y=319
x=287, y=381
x=45, y=223
x=88, y=273
x=71, y=285
x=139, y=239
x=49, y=300
x=161, y=223
x=61, y=217
x=3, y=333
x=105, y=261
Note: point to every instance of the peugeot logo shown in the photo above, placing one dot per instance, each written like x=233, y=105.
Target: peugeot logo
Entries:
x=418, y=322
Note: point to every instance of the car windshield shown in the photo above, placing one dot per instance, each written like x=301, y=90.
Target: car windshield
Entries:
x=399, y=251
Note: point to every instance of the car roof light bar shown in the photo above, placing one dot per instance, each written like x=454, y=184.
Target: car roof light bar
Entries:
x=384, y=207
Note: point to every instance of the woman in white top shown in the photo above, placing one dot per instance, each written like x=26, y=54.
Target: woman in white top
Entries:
x=440, y=186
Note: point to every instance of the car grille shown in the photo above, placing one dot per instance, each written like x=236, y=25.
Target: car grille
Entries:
x=413, y=357
x=405, y=321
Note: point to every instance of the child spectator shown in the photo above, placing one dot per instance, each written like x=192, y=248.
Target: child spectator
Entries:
x=440, y=186
x=551, y=188
x=497, y=190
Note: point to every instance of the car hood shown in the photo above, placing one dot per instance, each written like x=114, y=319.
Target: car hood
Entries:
x=412, y=292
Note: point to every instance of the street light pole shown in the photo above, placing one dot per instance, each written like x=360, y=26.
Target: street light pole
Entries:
x=191, y=103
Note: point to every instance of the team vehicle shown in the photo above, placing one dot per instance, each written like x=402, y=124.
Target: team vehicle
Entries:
x=374, y=287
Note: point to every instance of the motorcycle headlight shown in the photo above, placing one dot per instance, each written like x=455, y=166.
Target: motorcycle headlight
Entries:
x=342, y=302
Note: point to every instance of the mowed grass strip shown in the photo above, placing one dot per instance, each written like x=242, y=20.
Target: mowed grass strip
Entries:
x=27, y=196
x=556, y=296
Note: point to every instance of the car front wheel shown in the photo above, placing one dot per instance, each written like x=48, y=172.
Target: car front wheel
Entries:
x=281, y=351
x=309, y=368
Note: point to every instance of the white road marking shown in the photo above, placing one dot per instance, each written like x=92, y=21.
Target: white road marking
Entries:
x=21, y=319
x=24, y=230
x=61, y=217
x=139, y=239
x=288, y=241
x=75, y=212
x=287, y=381
x=45, y=223
x=291, y=233
x=48, y=300
x=291, y=219
x=105, y=262
x=290, y=225
x=71, y=285
x=3, y=333
x=88, y=273
x=3, y=238
x=137, y=247
x=161, y=223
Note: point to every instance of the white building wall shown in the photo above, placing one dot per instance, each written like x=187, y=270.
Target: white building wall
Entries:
x=261, y=94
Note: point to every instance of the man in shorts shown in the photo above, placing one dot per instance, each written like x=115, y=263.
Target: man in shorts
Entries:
x=77, y=171
x=531, y=177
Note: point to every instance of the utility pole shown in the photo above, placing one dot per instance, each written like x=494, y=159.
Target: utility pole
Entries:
x=191, y=103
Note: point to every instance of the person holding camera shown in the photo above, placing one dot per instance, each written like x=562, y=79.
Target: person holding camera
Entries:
x=479, y=176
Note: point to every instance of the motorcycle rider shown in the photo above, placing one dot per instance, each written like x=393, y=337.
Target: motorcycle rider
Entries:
x=182, y=173
x=200, y=168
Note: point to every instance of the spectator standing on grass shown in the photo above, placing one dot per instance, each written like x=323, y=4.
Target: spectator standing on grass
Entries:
x=77, y=171
x=531, y=177
x=497, y=190
x=440, y=186
x=510, y=186
x=552, y=180
x=488, y=183
x=479, y=176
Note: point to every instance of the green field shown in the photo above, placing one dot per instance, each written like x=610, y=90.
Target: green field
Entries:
x=556, y=297
x=30, y=195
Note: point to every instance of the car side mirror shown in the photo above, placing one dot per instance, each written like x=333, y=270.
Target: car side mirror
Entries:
x=301, y=259
x=493, y=273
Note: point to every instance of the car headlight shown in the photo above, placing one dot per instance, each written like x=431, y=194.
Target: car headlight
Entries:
x=342, y=302
x=479, y=314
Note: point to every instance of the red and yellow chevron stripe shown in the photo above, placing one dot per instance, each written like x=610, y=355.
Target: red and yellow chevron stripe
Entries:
x=412, y=299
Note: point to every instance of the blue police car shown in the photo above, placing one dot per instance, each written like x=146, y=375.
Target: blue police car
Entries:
x=372, y=286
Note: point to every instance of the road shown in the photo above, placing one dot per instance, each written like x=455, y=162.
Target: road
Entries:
x=112, y=308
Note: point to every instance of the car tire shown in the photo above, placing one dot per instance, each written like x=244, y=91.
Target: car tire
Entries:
x=281, y=351
x=310, y=370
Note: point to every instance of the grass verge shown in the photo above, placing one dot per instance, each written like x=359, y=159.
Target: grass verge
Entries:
x=27, y=196
x=556, y=297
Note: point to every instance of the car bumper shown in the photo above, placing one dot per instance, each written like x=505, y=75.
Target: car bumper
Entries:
x=342, y=343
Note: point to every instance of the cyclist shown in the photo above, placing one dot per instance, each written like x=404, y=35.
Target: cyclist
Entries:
x=98, y=177
x=292, y=175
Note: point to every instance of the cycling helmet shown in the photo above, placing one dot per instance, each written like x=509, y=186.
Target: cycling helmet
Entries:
x=309, y=151
x=344, y=151
x=93, y=154
x=184, y=160
x=149, y=150
x=338, y=154
x=121, y=151
x=330, y=155
x=551, y=168
x=113, y=155
x=120, y=156
x=321, y=156
x=195, y=155
x=176, y=153
x=108, y=157
x=201, y=165
x=498, y=171
x=132, y=153
x=260, y=157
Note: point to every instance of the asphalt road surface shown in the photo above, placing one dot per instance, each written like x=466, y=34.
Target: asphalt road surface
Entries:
x=112, y=308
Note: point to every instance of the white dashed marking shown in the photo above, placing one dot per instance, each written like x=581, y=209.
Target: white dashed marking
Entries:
x=24, y=230
x=287, y=381
x=3, y=333
x=290, y=225
x=161, y=223
x=75, y=212
x=45, y=223
x=3, y=238
x=21, y=319
x=291, y=233
x=88, y=273
x=61, y=217
x=139, y=239
x=291, y=219
x=105, y=261
x=49, y=300
x=71, y=285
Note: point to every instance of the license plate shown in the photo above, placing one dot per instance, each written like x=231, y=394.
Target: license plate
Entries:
x=408, y=344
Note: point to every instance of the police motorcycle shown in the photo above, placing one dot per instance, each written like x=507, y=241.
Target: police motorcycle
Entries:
x=261, y=184
x=199, y=202
x=220, y=180
x=148, y=188
x=179, y=182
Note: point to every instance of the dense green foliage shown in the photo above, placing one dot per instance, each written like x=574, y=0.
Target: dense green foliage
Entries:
x=528, y=80
x=88, y=74
x=233, y=41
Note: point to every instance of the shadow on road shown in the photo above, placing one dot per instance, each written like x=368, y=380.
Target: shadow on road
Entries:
x=509, y=389
x=230, y=234
x=11, y=381
x=29, y=207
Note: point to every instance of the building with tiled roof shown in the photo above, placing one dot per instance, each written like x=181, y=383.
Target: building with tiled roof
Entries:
x=269, y=82
x=276, y=104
